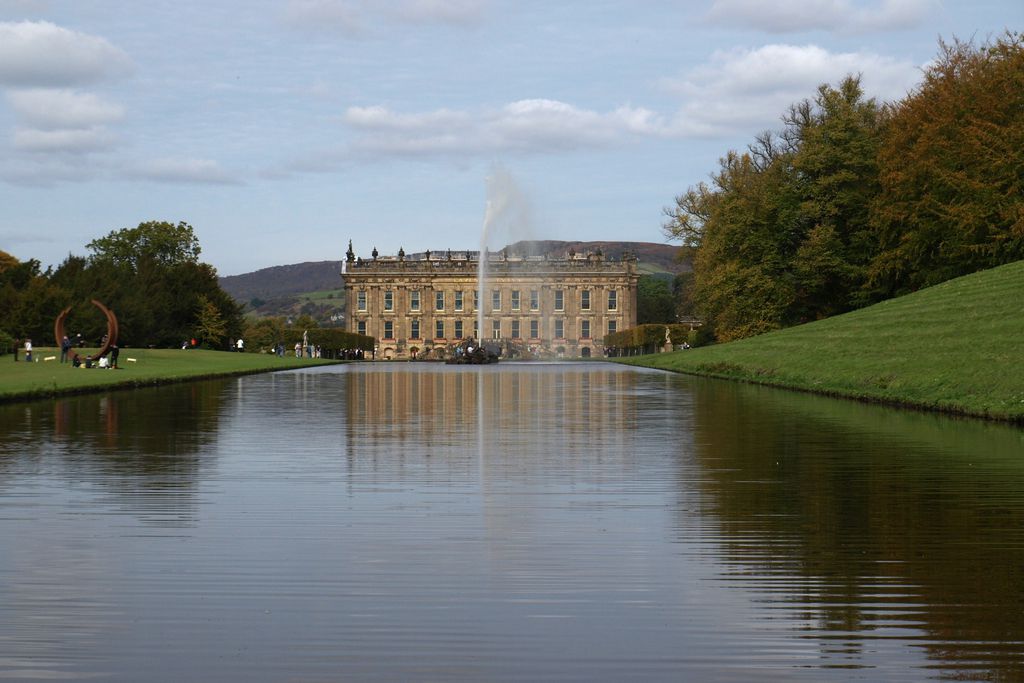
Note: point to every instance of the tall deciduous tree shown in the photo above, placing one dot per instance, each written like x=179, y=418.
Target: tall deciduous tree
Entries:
x=952, y=170
x=154, y=286
x=781, y=235
x=835, y=168
x=164, y=243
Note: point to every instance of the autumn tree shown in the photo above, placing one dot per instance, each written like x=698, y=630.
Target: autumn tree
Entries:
x=211, y=328
x=951, y=170
x=781, y=235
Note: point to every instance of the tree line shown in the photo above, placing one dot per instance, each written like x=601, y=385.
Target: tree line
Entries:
x=853, y=202
x=150, y=276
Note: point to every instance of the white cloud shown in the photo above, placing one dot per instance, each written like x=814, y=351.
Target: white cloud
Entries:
x=41, y=169
x=355, y=17
x=41, y=54
x=744, y=88
x=381, y=119
x=55, y=109
x=527, y=126
x=741, y=91
x=791, y=16
x=183, y=170
x=64, y=141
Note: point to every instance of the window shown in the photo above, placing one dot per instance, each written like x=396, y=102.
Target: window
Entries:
x=389, y=329
x=534, y=300
x=458, y=329
x=559, y=329
x=389, y=300
x=414, y=300
x=496, y=329
x=476, y=300
x=585, y=300
x=496, y=300
x=439, y=329
x=414, y=328
x=585, y=329
x=515, y=299
x=613, y=327
x=559, y=300
x=613, y=300
x=515, y=329
x=361, y=327
x=534, y=329
x=458, y=300
x=438, y=301
x=361, y=301
x=476, y=329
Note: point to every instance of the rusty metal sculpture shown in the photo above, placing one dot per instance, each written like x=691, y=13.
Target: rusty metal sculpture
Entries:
x=111, y=338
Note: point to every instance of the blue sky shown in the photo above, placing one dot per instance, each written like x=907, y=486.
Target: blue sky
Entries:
x=280, y=129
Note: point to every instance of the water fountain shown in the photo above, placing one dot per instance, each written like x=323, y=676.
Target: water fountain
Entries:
x=505, y=212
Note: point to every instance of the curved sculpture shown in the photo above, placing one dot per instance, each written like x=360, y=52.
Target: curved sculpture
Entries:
x=59, y=333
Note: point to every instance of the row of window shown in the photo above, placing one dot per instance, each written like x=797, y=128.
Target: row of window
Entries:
x=440, y=329
x=440, y=301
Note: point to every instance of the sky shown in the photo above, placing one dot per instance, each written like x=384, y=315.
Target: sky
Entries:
x=281, y=129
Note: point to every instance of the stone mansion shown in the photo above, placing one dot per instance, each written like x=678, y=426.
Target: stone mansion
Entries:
x=421, y=306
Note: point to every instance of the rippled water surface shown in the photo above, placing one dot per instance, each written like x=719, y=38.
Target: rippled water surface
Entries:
x=579, y=522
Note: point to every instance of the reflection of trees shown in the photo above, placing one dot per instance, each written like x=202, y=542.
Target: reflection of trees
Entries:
x=877, y=519
x=121, y=442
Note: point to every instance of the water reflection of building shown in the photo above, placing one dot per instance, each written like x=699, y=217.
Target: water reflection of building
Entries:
x=422, y=409
x=423, y=305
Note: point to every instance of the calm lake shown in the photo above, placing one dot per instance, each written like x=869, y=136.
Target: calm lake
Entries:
x=519, y=522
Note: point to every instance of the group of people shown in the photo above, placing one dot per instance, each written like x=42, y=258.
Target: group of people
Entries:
x=311, y=350
x=66, y=355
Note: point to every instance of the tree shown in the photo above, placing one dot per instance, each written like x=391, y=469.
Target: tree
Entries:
x=682, y=292
x=836, y=171
x=780, y=236
x=159, y=241
x=951, y=169
x=6, y=261
x=265, y=333
x=154, y=293
x=211, y=327
x=29, y=302
x=654, y=301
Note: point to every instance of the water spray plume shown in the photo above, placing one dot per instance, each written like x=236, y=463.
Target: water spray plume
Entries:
x=507, y=219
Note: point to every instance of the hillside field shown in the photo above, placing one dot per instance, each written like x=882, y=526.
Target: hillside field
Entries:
x=954, y=347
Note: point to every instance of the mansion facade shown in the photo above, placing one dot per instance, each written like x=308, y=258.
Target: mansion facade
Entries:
x=424, y=305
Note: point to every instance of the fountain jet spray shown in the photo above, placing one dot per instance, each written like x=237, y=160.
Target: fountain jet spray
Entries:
x=507, y=215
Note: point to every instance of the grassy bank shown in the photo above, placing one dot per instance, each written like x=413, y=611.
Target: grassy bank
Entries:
x=23, y=380
x=955, y=347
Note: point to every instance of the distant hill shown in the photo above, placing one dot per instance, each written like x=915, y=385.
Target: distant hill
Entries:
x=280, y=281
x=315, y=287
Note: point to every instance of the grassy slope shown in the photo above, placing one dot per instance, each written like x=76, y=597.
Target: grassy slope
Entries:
x=954, y=347
x=152, y=366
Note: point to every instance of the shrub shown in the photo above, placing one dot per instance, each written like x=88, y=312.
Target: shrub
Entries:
x=701, y=336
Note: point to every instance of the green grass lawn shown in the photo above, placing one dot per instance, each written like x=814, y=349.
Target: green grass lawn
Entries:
x=954, y=347
x=138, y=367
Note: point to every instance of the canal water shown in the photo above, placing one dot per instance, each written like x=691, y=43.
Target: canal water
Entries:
x=568, y=522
